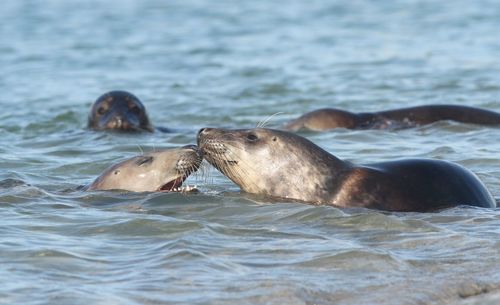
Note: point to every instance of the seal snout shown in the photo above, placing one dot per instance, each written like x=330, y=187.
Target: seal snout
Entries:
x=190, y=160
x=117, y=123
x=202, y=133
x=213, y=141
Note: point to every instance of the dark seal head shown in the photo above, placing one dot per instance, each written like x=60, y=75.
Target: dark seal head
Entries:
x=282, y=164
x=157, y=171
x=119, y=110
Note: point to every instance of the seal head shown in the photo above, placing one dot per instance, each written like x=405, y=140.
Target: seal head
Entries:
x=158, y=171
x=324, y=119
x=272, y=162
x=119, y=110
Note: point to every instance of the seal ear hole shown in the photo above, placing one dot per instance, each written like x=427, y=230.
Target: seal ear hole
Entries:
x=251, y=137
x=116, y=172
x=274, y=139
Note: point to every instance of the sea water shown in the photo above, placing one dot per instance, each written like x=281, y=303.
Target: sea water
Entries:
x=201, y=63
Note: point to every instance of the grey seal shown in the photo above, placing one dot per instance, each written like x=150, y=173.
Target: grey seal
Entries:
x=285, y=165
x=330, y=118
x=119, y=110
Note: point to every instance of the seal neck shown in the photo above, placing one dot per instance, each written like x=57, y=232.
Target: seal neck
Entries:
x=364, y=120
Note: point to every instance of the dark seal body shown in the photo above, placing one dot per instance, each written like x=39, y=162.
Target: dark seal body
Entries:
x=330, y=118
x=282, y=164
x=119, y=110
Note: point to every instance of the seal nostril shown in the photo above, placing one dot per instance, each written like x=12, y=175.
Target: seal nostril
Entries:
x=119, y=122
x=203, y=131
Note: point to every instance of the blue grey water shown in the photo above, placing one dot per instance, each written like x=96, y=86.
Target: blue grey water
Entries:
x=201, y=63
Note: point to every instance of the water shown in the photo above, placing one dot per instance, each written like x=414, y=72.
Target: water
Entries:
x=204, y=63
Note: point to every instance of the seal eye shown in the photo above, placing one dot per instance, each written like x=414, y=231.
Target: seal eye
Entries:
x=101, y=110
x=251, y=137
x=135, y=110
x=144, y=160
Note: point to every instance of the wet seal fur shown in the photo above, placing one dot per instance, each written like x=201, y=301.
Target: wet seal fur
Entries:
x=121, y=111
x=330, y=118
x=285, y=165
x=157, y=171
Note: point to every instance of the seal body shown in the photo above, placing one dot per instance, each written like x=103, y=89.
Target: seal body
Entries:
x=119, y=110
x=282, y=164
x=330, y=118
x=157, y=171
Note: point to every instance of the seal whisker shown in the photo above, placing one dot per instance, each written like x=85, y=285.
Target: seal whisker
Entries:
x=225, y=164
x=207, y=173
x=140, y=149
x=224, y=157
x=263, y=123
x=199, y=171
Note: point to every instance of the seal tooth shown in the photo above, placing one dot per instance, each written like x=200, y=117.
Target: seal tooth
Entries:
x=187, y=188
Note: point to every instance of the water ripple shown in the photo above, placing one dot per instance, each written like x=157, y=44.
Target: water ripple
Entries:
x=199, y=63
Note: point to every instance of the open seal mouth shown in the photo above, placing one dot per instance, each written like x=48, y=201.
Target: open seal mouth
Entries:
x=173, y=186
x=176, y=186
x=187, y=164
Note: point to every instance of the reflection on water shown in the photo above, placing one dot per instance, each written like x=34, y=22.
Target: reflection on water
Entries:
x=197, y=64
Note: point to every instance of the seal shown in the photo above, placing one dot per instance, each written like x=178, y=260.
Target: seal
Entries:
x=282, y=164
x=330, y=118
x=119, y=110
x=157, y=171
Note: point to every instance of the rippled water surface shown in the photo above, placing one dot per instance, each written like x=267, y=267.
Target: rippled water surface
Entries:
x=233, y=64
